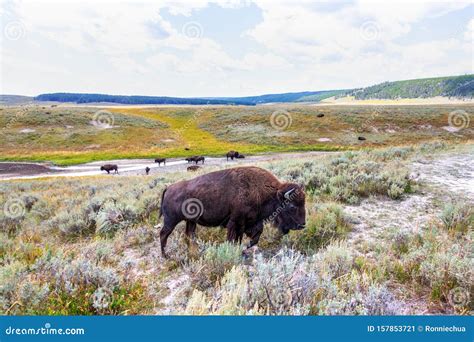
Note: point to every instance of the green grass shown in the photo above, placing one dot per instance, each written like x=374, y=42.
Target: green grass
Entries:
x=65, y=136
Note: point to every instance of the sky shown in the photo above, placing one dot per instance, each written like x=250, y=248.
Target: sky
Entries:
x=228, y=48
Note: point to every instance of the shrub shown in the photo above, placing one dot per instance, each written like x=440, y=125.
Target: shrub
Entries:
x=217, y=259
x=113, y=217
x=328, y=223
x=355, y=294
x=458, y=217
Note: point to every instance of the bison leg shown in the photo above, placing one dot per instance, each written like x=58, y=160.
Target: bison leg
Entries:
x=108, y=172
x=190, y=231
x=232, y=234
x=165, y=232
x=234, y=231
x=254, y=234
x=190, y=236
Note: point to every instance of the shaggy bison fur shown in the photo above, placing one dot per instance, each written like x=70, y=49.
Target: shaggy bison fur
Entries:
x=240, y=199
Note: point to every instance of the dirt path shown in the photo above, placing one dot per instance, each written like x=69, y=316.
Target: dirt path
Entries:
x=130, y=167
x=443, y=178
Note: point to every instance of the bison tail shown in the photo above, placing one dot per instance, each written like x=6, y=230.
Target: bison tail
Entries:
x=161, y=204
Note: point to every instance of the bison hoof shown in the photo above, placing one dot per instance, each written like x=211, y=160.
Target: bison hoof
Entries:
x=250, y=251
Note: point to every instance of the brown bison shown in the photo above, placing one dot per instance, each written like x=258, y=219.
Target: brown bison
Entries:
x=232, y=155
x=193, y=168
x=109, y=167
x=195, y=159
x=240, y=199
x=147, y=170
x=199, y=159
x=160, y=160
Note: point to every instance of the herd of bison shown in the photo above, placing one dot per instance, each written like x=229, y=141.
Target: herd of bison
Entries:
x=194, y=159
x=240, y=199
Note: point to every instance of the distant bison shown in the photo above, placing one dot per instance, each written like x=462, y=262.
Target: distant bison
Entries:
x=109, y=167
x=160, y=160
x=240, y=199
x=193, y=168
x=361, y=138
x=240, y=156
x=320, y=115
x=199, y=159
x=195, y=159
x=147, y=170
x=232, y=155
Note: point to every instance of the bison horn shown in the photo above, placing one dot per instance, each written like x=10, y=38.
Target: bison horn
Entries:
x=288, y=194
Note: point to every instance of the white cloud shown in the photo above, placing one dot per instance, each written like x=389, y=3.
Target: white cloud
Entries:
x=125, y=47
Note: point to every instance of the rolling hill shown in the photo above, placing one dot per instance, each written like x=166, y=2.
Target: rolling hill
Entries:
x=452, y=86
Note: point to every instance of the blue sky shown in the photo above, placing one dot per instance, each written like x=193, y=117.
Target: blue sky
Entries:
x=228, y=48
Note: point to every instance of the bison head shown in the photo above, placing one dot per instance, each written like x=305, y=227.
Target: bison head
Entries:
x=291, y=213
x=102, y=168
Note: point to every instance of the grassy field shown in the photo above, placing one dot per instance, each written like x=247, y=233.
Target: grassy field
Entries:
x=89, y=246
x=67, y=136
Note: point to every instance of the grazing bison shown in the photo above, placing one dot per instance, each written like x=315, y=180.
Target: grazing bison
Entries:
x=160, y=160
x=321, y=115
x=109, y=167
x=147, y=170
x=195, y=159
x=193, y=168
x=198, y=159
x=240, y=199
x=232, y=155
x=361, y=138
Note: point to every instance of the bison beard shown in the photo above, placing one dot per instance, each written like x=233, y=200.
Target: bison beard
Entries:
x=240, y=199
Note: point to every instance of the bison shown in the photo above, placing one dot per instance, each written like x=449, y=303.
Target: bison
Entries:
x=232, y=155
x=109, y=167
x=193, y=168
x=240, y=156
x=147, y=170
x=240, y=199
x=160, y=160
x=195, y=159
x=199, y=159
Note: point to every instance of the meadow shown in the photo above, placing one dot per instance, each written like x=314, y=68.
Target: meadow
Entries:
x=72, y=135
x=89, y=245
